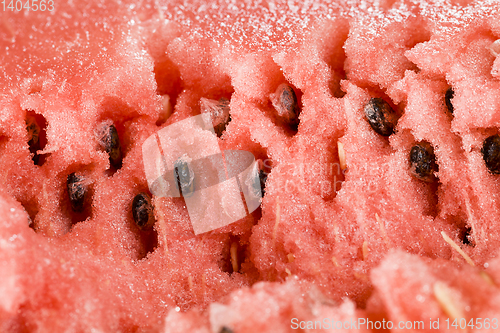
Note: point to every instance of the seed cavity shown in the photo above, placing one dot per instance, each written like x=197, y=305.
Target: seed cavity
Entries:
x=285, y=102
x=423, y=162
x=35, y=125
x=142, y=211
x=467, y=238
x=491, y=153
x=381, y=117
x=447, y=97
x=259, y=178
x=184, y=177
x=77, y=190
x=262, y=181
x=33, y=137
x=225, y=329
x=30, y=220
x=219, y=113
x=109, y=142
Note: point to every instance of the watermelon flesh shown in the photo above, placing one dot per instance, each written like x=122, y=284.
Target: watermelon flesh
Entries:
x=340, y=238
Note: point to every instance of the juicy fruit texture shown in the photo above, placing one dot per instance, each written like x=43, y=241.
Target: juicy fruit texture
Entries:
x=344, y=230
x=447, y=291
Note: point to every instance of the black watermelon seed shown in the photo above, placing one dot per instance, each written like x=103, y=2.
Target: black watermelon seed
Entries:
x=110, y=143
x=467, y=236
x=219, y=113
x=184, y=177
x=447, y=97
x=259, y=184
x=226, y=329
x=491, y=153
x=142, y=211
x=381, y=116
x=221, y=117
x=287, y=105
x=33, y=136
x=77, y=191
x=262, y=180
x=423, y=162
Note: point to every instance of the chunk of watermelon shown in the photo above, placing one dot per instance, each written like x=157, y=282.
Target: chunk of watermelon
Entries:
x=344, y=229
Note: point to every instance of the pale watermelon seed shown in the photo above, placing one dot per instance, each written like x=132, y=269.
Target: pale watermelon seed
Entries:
x=234, y=256
x=166, y=110
x=446, y=299
x=457, y=248
x=341, y=153
x=495, y=48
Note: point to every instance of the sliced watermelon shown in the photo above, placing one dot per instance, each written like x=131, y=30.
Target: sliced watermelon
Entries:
x=349, y=225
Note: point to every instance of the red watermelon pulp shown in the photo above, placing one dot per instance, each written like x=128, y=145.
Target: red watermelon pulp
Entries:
x=374, y=124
